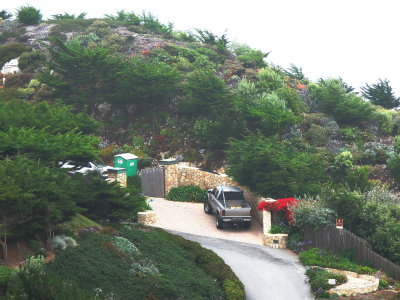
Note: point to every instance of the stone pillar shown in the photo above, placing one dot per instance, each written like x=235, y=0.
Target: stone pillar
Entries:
x=267, y=223
x=118, y=174
x=171, y=176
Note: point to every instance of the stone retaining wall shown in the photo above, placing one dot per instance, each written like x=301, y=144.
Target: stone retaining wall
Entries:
x=356, y=284
x=146, y=217
x=183, y=174
x=277, y=240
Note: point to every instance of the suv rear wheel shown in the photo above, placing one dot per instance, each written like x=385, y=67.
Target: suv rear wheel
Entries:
x=207, y=208
x=219, y=222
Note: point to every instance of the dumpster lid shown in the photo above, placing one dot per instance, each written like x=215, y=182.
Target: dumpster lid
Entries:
x=126, y=156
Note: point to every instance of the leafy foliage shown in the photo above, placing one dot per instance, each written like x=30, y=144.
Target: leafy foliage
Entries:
x=207, y=37
x=250, y=58
x=29, y=15
x=31, y=60
x=333, y=99
x=311, y=213
x=5, y=15
x=280, y=205
x=189, y=193
x=273, y=168
x=64, y=16
x=31, y=282
x=103, y=200
x=323, y=258
x=381, y=94
x=11, y=51
x=318, y=279
x=86, y=76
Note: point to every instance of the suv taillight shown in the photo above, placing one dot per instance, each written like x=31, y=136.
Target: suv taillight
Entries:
x=223, y=213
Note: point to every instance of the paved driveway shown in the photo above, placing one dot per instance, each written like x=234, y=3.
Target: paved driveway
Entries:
x=190, y=218
x=266, y=273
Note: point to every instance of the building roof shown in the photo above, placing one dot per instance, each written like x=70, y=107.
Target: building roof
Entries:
x=126, y=156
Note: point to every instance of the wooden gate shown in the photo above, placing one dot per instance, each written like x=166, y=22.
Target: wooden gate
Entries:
x=153, y=182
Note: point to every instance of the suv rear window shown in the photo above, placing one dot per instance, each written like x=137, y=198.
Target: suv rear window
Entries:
x=233, y=196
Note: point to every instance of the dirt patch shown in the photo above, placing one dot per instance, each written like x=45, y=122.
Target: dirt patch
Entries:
x=17, y=253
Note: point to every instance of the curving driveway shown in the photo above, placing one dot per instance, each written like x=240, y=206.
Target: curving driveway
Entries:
x=266, y=273
x=190, y=218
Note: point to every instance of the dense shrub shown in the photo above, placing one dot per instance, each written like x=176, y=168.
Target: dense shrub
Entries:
x=206, y=94
x=269, y=80
x=124, y=245
x=11, y=51
x=332, y=98
x=250, y=58
x=309, y=212
x=29, y=15
x=61, y=242
x=189, y=193
x=346, y=202
x=318, y=279
x=5, y=273
x=323, y=258
x=31, y=60
x=274, y=168
x=32, y=282
x=292, y=99
x=383, y=239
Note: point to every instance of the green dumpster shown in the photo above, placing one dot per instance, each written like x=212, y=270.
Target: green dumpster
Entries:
x=128, y=161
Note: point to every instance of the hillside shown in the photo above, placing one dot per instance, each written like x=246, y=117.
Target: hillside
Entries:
x=90, y=88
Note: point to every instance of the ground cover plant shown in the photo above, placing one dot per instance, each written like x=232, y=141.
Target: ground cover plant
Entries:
x=143, y=262
x=318, y=279
x=323, y=258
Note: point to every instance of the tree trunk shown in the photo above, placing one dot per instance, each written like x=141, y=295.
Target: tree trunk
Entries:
x=3, y=243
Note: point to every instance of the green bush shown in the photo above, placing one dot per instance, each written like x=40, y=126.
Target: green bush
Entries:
x=29, y=15
x=189, y=193
x=250, y=58
x=323, y=258
x=31, y=60
x=124, y=245
x=383, y=284
x=269, y=80
x=332, y=98
x=11, y=51
x=312, y=213
x=278, y=229
x=5, y=273
x=32, y=282
x=289, y=172
x=318, y=279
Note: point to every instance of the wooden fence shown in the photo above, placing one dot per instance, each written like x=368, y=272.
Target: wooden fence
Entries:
x=335, y=239
x=153, y=182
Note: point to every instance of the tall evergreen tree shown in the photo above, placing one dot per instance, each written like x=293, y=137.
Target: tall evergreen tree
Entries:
x=381, y=94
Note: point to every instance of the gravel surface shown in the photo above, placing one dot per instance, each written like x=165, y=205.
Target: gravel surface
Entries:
x=191, y=218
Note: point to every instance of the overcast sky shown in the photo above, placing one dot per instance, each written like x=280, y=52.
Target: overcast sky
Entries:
x=353, y=39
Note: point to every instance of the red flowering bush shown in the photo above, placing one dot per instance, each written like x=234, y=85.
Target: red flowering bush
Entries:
x=280, y=205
